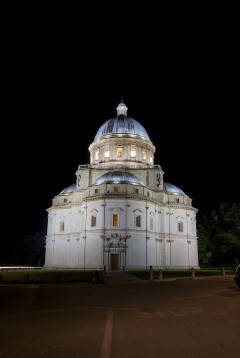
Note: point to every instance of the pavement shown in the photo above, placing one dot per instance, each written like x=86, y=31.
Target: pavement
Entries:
x=124, y=277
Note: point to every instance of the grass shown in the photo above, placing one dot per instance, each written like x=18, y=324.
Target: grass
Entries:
x=145, y=274
x=91, y=276
x=50, y=276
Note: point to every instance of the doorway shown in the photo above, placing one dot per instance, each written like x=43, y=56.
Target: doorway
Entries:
x=114, y=262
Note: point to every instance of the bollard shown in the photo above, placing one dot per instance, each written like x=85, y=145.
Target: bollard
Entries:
x=151, y=273
x=192, y=272
x=222, y=271
x=95, y=277
x=160, y=277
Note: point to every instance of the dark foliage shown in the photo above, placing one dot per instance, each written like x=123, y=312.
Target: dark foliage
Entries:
x=219, y=235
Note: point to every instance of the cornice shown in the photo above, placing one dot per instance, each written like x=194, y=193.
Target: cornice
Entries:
x=121, y=197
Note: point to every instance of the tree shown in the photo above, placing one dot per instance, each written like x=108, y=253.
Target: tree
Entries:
x=220, y=234
x=204, y=246
x=29, y=250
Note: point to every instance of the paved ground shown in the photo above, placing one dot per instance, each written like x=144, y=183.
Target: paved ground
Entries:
x=126, y=317
x=122, y=277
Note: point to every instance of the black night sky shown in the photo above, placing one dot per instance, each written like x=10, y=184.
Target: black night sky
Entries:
x=183, y=92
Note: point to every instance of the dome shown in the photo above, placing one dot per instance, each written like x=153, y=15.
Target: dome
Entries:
x=122, y=125
x=70, y=189
x=118, y=177
x=172, y=189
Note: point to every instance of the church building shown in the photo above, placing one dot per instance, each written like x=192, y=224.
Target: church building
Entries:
x=120, y=213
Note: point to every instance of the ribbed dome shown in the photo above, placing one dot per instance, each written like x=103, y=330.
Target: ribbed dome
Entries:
x=122, y=125
x=172, y=189
x=118, y=177
x=124, y=178
x=70, y=189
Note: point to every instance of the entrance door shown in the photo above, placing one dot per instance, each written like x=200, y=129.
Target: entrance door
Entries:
x=114, y=262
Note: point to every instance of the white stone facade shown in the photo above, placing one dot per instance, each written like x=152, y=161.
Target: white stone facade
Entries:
x=120, y=214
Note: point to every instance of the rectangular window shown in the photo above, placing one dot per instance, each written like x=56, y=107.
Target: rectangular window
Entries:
x=151, y=223
x=144, y=154
x=151, y=158
x=96, y=191
x=138, y=221
x=177, y=200
x=97, y=154
x=106, y=152
x=136, y=190
x=119, y=152
x=133, y=151
x=61, y=226
x=65, y=200
x=180, y=226
x=93, y=221
x=116, y=189
x=115, y=219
